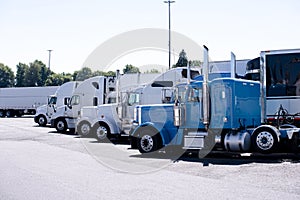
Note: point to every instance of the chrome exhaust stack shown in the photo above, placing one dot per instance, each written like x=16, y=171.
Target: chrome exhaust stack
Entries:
x=233, y=65
x=205, y=90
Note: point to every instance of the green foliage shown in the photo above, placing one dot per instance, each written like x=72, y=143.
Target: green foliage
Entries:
x=58, y=79
x=7, y=76
x=152, y=71
x=182, y=60
x=82, y=74
x=37, y=74
x=195, y=63
x=130, y=69
x=110, y=73
x=101, y=73
x=22, y=69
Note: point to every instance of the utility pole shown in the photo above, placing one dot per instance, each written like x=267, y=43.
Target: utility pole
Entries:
x=49, y=58
x=169, y=3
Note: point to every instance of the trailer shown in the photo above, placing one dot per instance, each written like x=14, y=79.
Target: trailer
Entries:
x=23, y=100
x=279, y=73
x=60, y=98
x=224, y=113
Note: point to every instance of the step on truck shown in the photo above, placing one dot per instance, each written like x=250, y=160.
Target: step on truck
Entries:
x=61, y=97
x=91, y=92
x=224, y=113
x=107, y=121
x=18, y=101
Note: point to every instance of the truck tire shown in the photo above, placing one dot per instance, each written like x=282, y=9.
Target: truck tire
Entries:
x=19, y=113
x=41, y=120
x=61, y=125
x=264, y=140
x=10, y=113
x=2, y=113
x=133, y=142
x=84, y=129
x=147, y=140
x=102, y=132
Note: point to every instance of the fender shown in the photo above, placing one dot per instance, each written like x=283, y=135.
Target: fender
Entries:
x=272, y=128
x=155, y=126
x=113, y=127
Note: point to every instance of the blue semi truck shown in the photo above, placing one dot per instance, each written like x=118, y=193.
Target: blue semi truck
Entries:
x=224, y=113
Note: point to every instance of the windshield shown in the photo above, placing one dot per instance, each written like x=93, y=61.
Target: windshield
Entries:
x=134, y=98
x=75, y=100
x=195, y=94
x=52, y=100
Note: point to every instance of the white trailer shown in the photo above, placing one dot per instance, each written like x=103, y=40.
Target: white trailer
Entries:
x=23, y=100
x=61, y=97
x=279, y=72
x=91, y=92
x=112, y=120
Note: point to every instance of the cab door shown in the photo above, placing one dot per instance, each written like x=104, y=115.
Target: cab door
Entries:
x=193, y=108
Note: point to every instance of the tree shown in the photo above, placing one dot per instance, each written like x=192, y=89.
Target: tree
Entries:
x=44, y=72
x=130, y=69
x=7, y=76
x=182, y=60
x=195, y=63
x=32, y=76
x=152, y=71
x=20, y=75
x=58, y=79
x=101, y=73
x=82, y=74
x=36, y=74
x=110, y=73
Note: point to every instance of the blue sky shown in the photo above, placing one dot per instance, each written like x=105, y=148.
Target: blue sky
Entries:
x=74, y=28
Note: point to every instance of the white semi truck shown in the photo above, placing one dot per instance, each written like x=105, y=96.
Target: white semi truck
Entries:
x=106, y=121
x=23, y=100
x=91, y=92
x=61, y=97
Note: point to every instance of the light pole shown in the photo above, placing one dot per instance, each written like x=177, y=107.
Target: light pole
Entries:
x=49, y=58
x=169, y=3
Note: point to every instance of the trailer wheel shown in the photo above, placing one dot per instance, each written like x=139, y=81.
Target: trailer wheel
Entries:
x=147, y=140
x=41, y=120
x=61, y=125
x=102, y=132
x=19, y=113
x=10, y=113
x=2, y=113
x=264, y=140
x=84, y=128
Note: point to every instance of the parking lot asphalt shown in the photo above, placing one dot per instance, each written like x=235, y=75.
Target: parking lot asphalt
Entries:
x=39, y=163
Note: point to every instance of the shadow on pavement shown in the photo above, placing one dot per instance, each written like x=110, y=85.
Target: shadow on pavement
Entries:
x=221, y=158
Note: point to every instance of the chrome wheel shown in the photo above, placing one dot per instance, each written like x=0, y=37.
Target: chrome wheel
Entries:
x=61, y=126
x=147, y=143
x=148, y=140
x=42, y=121
x=264, y=140
x=101, y=133
x=84, y=129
